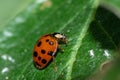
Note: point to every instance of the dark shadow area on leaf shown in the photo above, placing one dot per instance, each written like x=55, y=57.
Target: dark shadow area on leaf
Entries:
x=106, y=28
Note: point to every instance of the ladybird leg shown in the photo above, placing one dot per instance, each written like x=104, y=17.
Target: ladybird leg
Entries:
x=66, y=44
x=60, y=49
x=54, y=65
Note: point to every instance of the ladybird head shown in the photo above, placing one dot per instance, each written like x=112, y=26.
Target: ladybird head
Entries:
x=60, y=37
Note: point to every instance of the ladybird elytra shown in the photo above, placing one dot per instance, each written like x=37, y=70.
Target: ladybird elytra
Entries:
x=46, y=47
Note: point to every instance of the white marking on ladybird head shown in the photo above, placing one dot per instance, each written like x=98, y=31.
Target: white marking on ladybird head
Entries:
x=59, y=36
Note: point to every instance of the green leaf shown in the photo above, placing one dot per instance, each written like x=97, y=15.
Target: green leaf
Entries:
x=9, y=9
x=112, y=5
x=105, y=30
x=89, y=44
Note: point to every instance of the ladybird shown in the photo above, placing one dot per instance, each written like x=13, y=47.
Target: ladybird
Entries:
x=46, y=48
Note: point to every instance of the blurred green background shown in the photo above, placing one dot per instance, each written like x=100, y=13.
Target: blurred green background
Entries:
x=9, y=9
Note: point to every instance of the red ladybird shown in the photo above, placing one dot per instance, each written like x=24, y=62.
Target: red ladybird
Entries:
x=46, y=48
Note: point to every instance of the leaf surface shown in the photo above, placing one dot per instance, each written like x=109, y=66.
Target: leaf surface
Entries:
x=83, y=54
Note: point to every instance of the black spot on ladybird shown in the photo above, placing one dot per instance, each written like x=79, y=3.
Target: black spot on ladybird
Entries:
x=39, y=58
x=39, y=44
x=47, y=40
x=50, y=53
x=51, y=42
x=43, y=51
x=44, y=61
x=35, y=54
